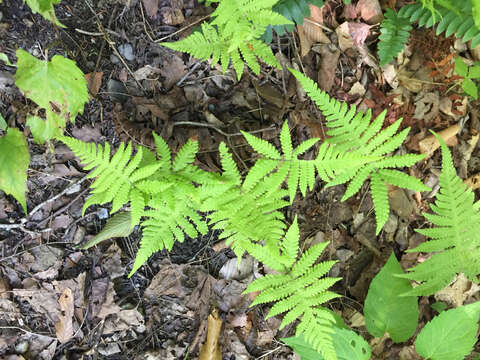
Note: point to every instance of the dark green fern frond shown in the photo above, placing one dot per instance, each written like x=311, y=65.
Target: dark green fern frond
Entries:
x=455, y=237
x=299, y=291
x=458, y=21
x=365, y=147
x=394, y=34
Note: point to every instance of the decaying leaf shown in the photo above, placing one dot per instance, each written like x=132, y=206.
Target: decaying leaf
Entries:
x=64, y=326
x=94, y=81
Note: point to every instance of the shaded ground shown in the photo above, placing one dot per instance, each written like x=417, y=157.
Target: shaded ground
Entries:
x=138, y=86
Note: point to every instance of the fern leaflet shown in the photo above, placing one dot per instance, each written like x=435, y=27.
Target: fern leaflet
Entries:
x=394, y=34
x=361, y=149
x=298, y=291
x=234, y=34
x=456, y=20
x=455, y=237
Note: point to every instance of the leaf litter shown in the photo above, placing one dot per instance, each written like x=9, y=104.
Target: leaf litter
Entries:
x=81, y=301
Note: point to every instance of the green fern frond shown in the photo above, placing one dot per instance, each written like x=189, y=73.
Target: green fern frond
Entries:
x=299, y=292
x=458, y=21
x=233, y=34
x=290, y=243
x=455, y=239
x=361, y=150
x=394, y=34
x=115, y=177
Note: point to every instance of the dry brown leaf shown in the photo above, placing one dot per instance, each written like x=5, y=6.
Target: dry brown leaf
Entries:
x=94, y=81
x=430, y=143
x=328, y=65
x=172, y=16
x=473, y=181
x=370, y=11
x=64, y=326
x=151, y=7
x=309, y=34
x=4, y=288
x=210, y=349
x=359, y=32
x=305, y=42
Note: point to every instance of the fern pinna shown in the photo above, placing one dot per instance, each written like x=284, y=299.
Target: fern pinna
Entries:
x=365, y=147
x=451, y=18
x=299, y=289
x=455, y=20
x=234, y=35
x=394, y=34
x=455, y=237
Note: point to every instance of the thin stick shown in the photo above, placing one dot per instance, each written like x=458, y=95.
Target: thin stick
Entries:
x=182, y=29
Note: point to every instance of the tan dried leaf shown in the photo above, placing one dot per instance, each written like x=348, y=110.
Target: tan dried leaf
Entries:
x=64, y=326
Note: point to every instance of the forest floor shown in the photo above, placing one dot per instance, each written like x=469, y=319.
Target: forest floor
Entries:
x=137, y=87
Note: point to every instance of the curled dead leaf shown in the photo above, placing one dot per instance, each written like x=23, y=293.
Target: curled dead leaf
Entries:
x=210, y=349
x=430, y=143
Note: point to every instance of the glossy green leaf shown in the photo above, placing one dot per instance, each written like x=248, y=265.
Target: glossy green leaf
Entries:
x=117, y=226
x=385, y=310
x=439, y=306
x=14, y=160
x=45, y=8
x=474, y=71
x=450, y=335
x=58, y=86
x=348, y=346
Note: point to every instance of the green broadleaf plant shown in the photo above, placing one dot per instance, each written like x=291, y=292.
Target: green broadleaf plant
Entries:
x=385, y=311
x=45, y=8
x=450, y=335
x=13, y=169
x=57, y=86
x=347, y=343
x=469, y=74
